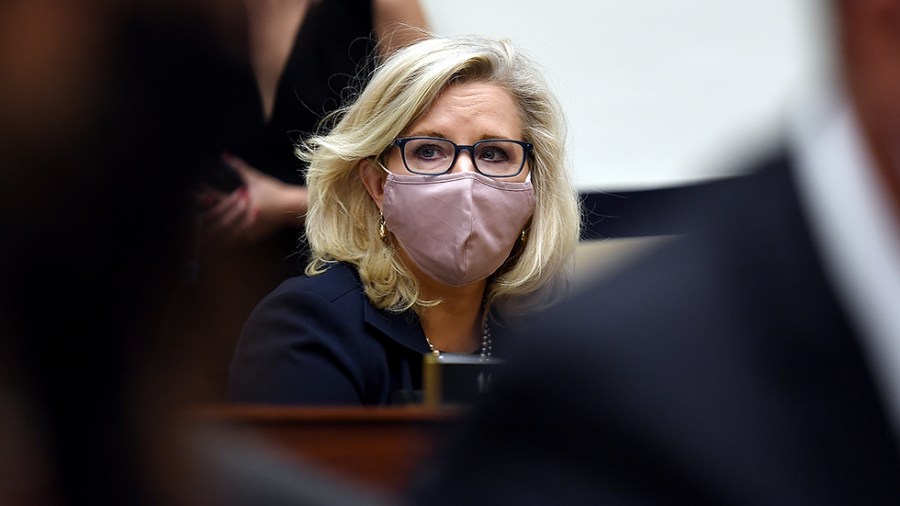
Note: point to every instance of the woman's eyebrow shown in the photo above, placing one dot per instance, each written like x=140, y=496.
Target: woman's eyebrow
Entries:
x=427, y=133
x=441, y=135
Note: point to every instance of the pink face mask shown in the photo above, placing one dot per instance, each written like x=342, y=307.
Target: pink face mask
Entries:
x=460, y=227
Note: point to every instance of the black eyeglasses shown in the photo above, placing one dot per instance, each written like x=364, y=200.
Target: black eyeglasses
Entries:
x=492, y=157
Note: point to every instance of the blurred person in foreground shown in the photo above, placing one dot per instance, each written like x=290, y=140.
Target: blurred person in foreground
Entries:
x=440, y=207
x=754, y=361
x=107, y=110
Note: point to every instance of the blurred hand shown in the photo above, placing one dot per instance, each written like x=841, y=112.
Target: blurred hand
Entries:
x=255, y=211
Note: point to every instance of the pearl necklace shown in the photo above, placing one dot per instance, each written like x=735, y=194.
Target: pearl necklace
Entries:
x=485, y=342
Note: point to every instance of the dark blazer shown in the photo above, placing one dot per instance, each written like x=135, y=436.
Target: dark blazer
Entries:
x=318, y=340
x=720, y=369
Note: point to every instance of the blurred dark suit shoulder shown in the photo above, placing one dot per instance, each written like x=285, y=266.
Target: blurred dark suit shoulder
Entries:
x=720, y=369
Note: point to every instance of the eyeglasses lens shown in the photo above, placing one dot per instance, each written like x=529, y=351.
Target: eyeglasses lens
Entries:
x=492, y=158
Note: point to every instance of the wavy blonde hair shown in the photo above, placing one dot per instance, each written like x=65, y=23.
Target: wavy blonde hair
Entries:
x=342, y=224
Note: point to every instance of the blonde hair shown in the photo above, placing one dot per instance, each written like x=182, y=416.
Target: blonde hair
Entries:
x=342, y=224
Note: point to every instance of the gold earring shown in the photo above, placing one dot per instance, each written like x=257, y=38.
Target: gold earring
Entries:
x=381, y=231
x=524, y=236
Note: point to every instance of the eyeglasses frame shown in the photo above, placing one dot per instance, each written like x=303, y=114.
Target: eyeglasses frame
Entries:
x=400, y=143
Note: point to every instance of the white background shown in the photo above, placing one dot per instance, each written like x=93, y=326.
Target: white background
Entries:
x=658, y=92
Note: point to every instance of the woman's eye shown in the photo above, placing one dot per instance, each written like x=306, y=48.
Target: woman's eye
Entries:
x=429, y=152
x=493, y=154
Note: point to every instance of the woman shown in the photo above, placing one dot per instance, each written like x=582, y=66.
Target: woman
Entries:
x=439, y=206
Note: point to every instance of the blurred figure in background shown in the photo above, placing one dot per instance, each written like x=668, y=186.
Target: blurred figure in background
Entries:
x=293, y=62
x=754, y=361
x=298, y=61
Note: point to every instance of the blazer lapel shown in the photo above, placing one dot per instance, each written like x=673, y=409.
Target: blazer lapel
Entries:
x=403, y=328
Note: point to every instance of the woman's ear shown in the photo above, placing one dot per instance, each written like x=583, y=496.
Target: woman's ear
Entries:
x=373, y=177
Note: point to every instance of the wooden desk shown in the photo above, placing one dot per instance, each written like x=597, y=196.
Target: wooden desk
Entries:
x=376, y=447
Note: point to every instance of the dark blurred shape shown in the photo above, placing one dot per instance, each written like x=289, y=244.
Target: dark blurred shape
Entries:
x=109, y=110
x=223, y=177
x=457, y=380
x=635, y=213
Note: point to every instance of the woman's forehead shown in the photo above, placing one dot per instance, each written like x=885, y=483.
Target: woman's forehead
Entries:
x=479, y=109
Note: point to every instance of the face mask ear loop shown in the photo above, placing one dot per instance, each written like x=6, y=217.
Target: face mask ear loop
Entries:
x=382, y=166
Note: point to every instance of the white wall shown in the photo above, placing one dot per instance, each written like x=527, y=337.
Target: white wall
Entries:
x=656, y=92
